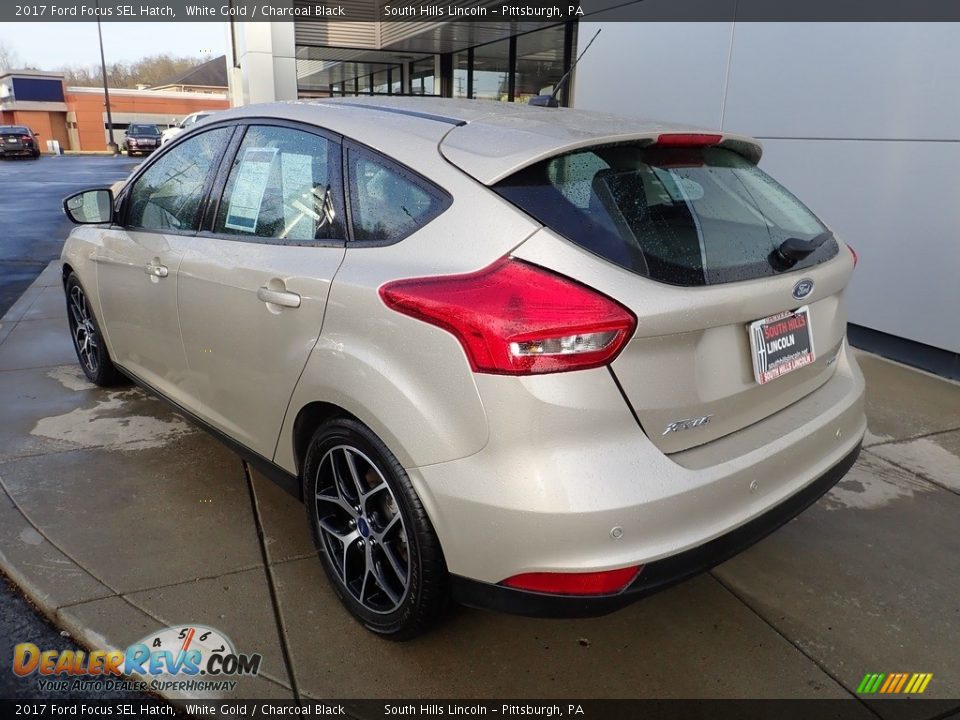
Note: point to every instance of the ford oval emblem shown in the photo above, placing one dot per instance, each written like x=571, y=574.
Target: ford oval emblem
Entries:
x=803, y=288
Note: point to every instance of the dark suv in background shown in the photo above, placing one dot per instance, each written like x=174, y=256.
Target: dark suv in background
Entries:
x=141, y=139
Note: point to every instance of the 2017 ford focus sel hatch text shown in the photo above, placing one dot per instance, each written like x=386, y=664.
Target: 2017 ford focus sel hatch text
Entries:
x=538, y=360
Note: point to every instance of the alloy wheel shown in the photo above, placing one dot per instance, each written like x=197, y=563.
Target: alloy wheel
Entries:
x=83, y=330
x=362, y=530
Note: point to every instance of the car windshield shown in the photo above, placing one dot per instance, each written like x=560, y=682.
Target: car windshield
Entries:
x=684, y=216
x=16, y=129
x=143, y=130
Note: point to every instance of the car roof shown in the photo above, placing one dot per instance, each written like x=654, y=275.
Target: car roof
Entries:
x=486, y=139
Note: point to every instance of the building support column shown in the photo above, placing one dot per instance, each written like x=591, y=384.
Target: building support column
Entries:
x=263, y=59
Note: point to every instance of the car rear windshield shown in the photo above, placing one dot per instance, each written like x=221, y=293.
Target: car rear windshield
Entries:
x=143, y=130
x=13, y=130
x=684, y=216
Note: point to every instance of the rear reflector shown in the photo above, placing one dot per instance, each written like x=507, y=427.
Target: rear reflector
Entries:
x=856, y=258
x=513, y=318
x=688, y=139
x=590, y=583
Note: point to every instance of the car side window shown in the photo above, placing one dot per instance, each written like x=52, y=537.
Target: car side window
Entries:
x=284, y=185
x=387, y=202
x=167, y=195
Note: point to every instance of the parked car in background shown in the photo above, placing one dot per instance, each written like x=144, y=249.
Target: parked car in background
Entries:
x=141, y=139
x=540, y=360
x=185, y=124
x=18, y=141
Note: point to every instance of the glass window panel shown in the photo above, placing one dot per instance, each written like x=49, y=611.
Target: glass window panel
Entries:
x=685, y=216
x=461, y=68
x=380, y=82
x=284, y=184
x=539, y=63
x=168, y=194
x=423, y=77
x=491, y=71
x=387, y=205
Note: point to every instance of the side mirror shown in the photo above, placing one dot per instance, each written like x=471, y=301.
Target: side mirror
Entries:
x=90, y=207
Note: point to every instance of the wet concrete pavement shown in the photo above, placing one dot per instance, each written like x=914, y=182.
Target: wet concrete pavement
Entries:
x=32, y=229
x=119, y=518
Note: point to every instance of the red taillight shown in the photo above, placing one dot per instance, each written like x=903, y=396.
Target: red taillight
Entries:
x=513, y=318
x=26, y=137
x=589, y=583
x=856, y=258
x=688, y=139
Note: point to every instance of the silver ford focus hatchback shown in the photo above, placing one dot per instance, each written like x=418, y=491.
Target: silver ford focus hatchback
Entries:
x=538, y=360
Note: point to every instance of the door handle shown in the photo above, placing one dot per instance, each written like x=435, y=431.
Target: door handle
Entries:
x=284, y=298
x=156, y=270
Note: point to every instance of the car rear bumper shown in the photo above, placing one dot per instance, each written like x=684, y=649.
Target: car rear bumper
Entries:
x=569, y=483
x=657, y=575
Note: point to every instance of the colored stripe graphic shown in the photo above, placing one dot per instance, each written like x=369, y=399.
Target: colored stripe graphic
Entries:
x=894, y=683
x=914, y=683
x=868, y=683
x=901, y=681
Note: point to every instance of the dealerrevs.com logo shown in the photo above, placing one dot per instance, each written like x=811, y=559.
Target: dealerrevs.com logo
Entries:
x=185, y=658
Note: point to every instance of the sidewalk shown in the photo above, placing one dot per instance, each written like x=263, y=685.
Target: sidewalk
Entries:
x=118, y=518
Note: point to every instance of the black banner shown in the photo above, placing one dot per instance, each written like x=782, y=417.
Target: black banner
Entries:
x=850, y=709
x=477, y=10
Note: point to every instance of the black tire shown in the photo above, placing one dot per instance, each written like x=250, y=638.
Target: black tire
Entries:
x=403, y=591
x=88, y=341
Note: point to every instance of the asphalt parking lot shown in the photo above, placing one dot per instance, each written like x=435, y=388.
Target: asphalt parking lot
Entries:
x=118, y=517
x=30, y=214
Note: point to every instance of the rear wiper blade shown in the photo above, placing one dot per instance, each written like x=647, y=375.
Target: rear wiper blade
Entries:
x=793, y=250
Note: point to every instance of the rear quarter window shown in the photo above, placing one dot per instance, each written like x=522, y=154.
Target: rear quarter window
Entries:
x=684, y=216
x=388, y=202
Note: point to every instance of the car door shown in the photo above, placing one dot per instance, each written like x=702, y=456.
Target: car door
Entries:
x=138, y=260
x=253, y=286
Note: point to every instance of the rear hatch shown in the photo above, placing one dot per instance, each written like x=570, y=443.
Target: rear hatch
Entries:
x=12, y=141
x=686, y=233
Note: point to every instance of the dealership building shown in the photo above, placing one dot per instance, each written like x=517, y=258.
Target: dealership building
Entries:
x=861, y=120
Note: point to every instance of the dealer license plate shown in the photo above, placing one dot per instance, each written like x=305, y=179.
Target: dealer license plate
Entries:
x=781, y=344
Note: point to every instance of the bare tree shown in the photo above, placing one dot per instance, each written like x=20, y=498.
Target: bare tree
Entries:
x=9, y=60
x=153, y=70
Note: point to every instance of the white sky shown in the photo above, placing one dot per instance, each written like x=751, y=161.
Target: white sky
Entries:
x=50, y=45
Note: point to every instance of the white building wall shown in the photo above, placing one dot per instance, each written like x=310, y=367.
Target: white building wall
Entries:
x=861, y=120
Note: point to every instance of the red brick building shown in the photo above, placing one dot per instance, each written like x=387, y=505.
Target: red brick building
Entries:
x=76, y=116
